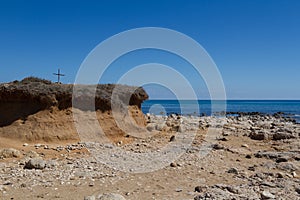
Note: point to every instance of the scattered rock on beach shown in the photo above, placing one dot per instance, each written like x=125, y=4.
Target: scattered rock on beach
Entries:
x=259, y=135
x=35, y=163
x=151, y=127
x=10, y=153
x=198, y=189
x=283, y=135
x=89, y=198
x=232, y=171
x=172, y=138
x=267, y=195
x=111, y=196
x=173, y=164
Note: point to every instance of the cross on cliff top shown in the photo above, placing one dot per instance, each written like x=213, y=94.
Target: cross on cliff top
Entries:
x=58, y=74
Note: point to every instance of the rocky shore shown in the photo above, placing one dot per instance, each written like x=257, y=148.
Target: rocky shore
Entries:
x=253, y=156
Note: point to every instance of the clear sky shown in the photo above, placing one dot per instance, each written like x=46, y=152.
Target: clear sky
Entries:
x=254, y=43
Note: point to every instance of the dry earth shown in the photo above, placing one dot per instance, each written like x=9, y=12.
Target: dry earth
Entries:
x=239, y=166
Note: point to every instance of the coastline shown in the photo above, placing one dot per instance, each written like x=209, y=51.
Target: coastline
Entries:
x=290, y=108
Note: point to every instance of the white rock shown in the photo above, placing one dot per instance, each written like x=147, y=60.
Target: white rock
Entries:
x=89, y=198
x=267, y=195
x=111, y=196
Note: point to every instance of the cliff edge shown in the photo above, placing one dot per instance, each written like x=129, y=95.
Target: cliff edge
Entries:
x=37, y=109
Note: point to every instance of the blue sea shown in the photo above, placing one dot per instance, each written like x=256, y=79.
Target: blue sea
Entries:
x=194, y=107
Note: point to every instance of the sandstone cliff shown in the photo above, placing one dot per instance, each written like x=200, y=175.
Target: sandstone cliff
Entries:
x=37, y=109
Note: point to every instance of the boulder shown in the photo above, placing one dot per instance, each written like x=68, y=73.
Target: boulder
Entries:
x=35, y=163
x=259, y=135
x=10, y=153
x=283, y=135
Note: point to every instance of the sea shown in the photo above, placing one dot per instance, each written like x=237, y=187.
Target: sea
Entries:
x=289, y=108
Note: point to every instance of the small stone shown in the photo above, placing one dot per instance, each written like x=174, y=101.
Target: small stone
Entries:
x=248, y=156
x=267, y=195
x=172, y=138
x=251, y=168
x=178, y=190
x=159, y=127
x=245, y=145
x=294, y=174
x=233, y=190
x=233, y=171
x=25, y=145
x=289, y=175
x=23, y=185
x=280, y=175
x=259, y=135
x=181, y=129
x=150, y=127
x=111, y=196
x=198, y=189
x=173, y=164
x=218, y=147
x=224, y=139
x=91, y=184
x=199, y=197
x=282, y=135
x=281, y=159
x=32, y=154
x=89, y=198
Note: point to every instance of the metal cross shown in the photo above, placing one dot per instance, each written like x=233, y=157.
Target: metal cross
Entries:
x=58, y=74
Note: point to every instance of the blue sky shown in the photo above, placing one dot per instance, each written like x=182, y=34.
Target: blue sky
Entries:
x=255, y=44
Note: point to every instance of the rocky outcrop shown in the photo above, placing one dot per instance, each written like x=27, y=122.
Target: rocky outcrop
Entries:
x=20, y=99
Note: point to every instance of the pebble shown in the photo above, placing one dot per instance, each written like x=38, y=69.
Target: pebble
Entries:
x=218, y=146
x=89, y=198
x=267, y=195
x=281, y=159
x=173, y=164
x=280, y=175
x=172, y=138
x=198, y=189
x=233, y=171
x=248, y=156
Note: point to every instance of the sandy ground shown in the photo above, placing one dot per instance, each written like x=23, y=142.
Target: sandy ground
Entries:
x=176, y=180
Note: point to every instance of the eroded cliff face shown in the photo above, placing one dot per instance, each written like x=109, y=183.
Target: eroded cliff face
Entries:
x=36, y=109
